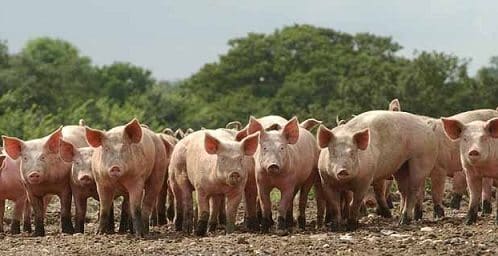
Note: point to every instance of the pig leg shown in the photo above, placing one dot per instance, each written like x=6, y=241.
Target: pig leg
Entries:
x=388, y=194
x=179, y=213
x=106, y=197
x=438, y=179
x=333, y=199
x=233, y=202
x=149, y=202
x=380, y=192
x=251, y=203
x=222, y=216
x=303, y=201
x=214, y=211
x=66, y=222
x=354, y=212
x=459, y=187
x=187, y=210
x=38, y=209
x=80, y=206
x=283, y=208
x=161, y=206
x=136, y=193
x=418, y=211
x=15, y=226
x=171, y=206
x=203, y=213
x=2, y=213
x=475, y=189
x=124, y=222
x=27, y=216
x=320, y=205
x=265, y=203
x=487, y=185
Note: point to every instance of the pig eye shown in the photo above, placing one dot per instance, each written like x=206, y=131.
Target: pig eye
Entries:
x=25, y=158
x=281, y=148
x=265, y=148
x=43, y=158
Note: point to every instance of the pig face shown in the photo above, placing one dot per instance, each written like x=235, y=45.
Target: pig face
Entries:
x=344, y=150
x=231, y=157
x=273, y=150
x=38, y=157
x=475, y=138
x=81, y=159
x=116, y=150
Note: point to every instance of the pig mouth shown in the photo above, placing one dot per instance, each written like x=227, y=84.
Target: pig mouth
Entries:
x=233, y=181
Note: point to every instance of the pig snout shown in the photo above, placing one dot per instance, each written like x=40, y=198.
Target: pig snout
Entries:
x=115, y=171
x=85, y=179
x=342, y=173
x=34, y=177
x=474, y=155
x=273, y=169
x=234, y=178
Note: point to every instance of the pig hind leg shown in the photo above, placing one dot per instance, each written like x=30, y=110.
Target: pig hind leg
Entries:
x=459, y=187
x=438, y=180
x=27, y=216
x=215, y=203
x=487, y=184
x=15, y=226
x=380, y=192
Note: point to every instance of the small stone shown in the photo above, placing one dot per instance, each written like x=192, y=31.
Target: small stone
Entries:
x=426, y=229
x=387, y=232
x=326, y=246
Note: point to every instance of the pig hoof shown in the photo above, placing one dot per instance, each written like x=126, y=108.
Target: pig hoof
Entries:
x=201, y=228
x=212, y=226
x=229, y=227
x=222, y=219
x=281, y=223
x=282, y=232
x=15, y=227
x=334, y=226
x=486, y=207
x=38, y=233
x=178, y=224
x=418, y=213
x=384, y=212
x=389, y=201
x=405, y=220
x=301, y=220
x=252, y=224
x=352, y=225
x=438, y=212
x=171, y=214
x=266, y=223
x=27, y=228
x=471, y=219
x=455, y=201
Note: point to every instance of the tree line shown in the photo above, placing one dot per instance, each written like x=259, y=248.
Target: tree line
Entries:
x=297, y=70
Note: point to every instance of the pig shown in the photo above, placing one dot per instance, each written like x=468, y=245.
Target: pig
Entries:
x=83, y=185
x=12, y=188
x=477, y=141
x=234, y=125
x=43, y=172
x=370, y=148
x=286, y=159
x=161, y=213
x=179, y=134
x=448, y=163
x=216, y=166
x=127, y=159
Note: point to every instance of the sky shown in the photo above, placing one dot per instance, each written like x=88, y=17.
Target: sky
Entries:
x=174, y=39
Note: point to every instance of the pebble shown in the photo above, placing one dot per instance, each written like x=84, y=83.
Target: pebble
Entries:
x=326, y=246
x=426, y=229
x=346, y=237
x=387, y=232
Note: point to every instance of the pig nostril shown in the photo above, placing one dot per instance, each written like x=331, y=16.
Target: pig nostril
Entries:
x=273, y=168
x=115, y=170
x=85, y=178
x=34, y=175
x=474, y=153
x=235, y=175
x=342, y=173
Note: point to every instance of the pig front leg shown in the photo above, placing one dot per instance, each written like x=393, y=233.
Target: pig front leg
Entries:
x=106, y=197
x=2, y=213
x=215, y=202
x=66, y=222
x=354, y=213
x=203, y=213
x=285, y=209
x=136, y=194
x=251, y=204
x=15, y=226
x=124, y=222
x=80, y=202
x=459, y=187
x=233, y=202
x=438, y=180
x=38, y=209
x=333, y=203
x=265, y=204
x=27, y=216
x=475, y=189
x=380, y=196
x=487, y=185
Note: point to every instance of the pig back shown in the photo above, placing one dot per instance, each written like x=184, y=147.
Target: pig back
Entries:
x=75, y=134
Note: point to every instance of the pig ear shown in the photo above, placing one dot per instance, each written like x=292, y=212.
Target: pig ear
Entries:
x=241, y=134
x=13, y=146
x=134, y=131
x=254, y=125
x=452, y=128
x=250, y=144
x=492, y=127
x=361, y=139
x=308, y=124
x=324, y=136
x=167, y=146
x=291, y=131
x=67, y=151
x=395, y=105
x=94, y=137
x=211, y=144
x=54, y=140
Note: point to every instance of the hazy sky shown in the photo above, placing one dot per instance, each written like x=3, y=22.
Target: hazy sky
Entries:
x=175, y=38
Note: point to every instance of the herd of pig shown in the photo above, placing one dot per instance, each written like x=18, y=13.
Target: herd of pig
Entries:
x=157, y=173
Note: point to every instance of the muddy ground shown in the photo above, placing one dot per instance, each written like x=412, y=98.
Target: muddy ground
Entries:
x=376, y=236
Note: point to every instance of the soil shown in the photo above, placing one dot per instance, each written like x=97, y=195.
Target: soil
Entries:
x=375, y=236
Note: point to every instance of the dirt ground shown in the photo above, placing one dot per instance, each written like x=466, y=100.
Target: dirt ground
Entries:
x=376, y=236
